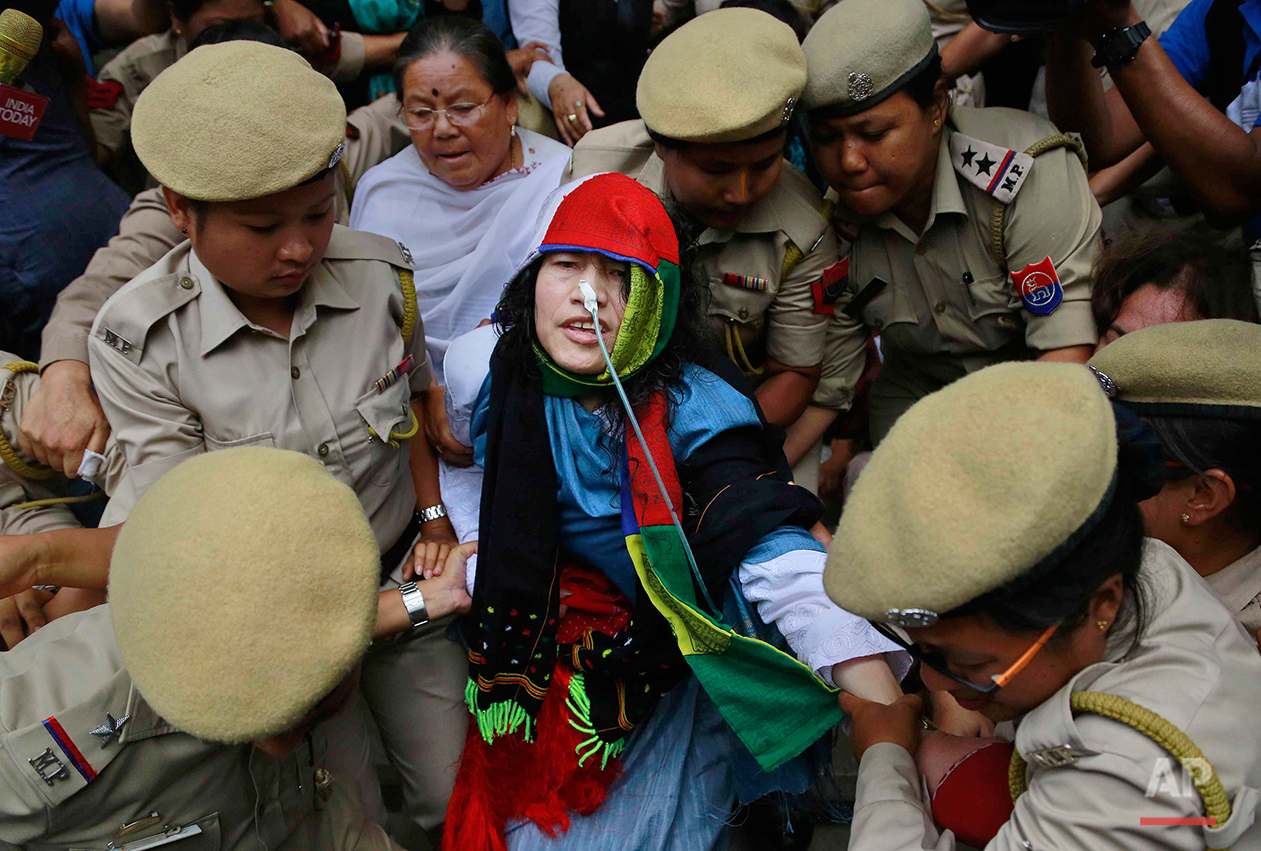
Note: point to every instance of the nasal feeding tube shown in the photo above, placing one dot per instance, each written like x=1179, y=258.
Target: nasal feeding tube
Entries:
x=592, y=305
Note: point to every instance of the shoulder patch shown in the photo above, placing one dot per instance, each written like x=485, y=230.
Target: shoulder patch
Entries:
x=125, y=320
x=347, y=244
x=830, y=286
x=65, y=752
x=1038, y=286
x=996, y=171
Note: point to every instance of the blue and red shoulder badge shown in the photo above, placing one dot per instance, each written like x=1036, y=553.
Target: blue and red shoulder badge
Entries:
x=829, y=287
x=1039, y=288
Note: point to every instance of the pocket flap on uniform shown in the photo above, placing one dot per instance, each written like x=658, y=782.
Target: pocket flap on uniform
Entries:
x=386, y=411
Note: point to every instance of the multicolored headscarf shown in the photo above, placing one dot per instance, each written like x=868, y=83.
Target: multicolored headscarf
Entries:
x=613, y=215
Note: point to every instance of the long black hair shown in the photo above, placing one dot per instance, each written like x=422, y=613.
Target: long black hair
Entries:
x=1199, y=444
x=690, y=342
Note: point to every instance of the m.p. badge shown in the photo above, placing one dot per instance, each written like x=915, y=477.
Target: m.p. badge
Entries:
x=1039, y=287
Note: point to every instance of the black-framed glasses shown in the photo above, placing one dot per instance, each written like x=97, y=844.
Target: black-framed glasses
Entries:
x=938, y=663
x=458, y=114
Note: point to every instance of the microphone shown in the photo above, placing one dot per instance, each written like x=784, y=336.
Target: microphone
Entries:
x=20, y=36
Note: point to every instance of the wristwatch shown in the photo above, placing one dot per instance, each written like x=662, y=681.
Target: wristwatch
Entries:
x=1118, y=45
x=414, y=602
x=432, y=512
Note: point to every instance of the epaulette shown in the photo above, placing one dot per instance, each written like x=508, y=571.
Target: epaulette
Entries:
x=995, y=170
x=347, y=244
x=125, y=320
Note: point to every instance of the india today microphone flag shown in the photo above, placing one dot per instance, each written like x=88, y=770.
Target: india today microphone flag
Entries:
x=20, y=111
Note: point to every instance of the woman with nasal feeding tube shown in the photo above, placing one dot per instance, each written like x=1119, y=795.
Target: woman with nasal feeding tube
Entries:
x=1027, y=591
x=609, y=694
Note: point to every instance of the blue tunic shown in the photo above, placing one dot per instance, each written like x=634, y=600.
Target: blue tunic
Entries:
x=679, y=783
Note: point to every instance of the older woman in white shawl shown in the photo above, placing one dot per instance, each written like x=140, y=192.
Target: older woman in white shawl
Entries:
x=463, y=199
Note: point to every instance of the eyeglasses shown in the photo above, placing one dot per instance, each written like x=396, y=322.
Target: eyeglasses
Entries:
x=937, y=662
x=459, y=114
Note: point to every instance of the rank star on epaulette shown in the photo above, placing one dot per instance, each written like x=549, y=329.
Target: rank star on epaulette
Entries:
x=110, y=729
x=996, y=171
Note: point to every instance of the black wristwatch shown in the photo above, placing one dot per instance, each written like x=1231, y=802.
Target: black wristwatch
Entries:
x=1118, y=45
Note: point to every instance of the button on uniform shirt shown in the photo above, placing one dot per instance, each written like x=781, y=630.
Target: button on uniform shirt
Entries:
x=85, y=762
x=948, y=307
x=180, y=371
x=751, y=296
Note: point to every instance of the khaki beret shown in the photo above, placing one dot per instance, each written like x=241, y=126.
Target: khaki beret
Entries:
x=726, y=76
x=242, y=590
x=973, y=486
x=238, y=120
x=1206, y=368
x=862, y=51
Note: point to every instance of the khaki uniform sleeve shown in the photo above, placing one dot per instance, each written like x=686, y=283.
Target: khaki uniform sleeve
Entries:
x=150, y=423
x=112, y=126
x=349, y=63
x=794, y=332
x=1055, y=215
x=888, y=811
x=381, y=135
x=844, y=358
x=145, y=234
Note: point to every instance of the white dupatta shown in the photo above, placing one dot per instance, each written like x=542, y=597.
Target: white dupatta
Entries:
x=466, y=244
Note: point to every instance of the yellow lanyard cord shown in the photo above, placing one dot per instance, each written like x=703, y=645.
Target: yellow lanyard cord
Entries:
x=7, y=454
x=1163, y=733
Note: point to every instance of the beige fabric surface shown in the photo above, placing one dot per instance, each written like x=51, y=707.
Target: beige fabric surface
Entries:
x=860, y=51
x=1198, y=366
x=242, y=590
x=940, y=515
x=725, y=76
x=238, y=120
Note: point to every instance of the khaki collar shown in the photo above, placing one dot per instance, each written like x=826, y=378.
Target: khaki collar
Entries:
x=946, y=197
x=220, y=318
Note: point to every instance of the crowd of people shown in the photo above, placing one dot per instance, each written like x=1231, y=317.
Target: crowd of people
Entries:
x=592, y=416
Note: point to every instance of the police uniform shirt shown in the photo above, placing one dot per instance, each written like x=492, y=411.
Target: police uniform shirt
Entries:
x=1238, y=586
x=1090, y=779
x=743, y=267
x=945, y=293
x=86, y=762
x=374, y=133
x=180, y=371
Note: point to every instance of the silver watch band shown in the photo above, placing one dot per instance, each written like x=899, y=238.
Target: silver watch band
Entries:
x=414, y=602
x=432, y=512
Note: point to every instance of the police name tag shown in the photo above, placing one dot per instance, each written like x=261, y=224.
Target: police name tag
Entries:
x=999, y=172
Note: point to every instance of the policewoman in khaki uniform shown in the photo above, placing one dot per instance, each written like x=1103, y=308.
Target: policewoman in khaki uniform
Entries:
x=271, y=326
x=188, y=711
x=1026, y=589
x=1198, y=386
x=973, y=230
x=716, y=97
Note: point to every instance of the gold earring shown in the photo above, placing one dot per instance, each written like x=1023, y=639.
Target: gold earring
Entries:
x=1186, y=518
x=1103, y=625
x=937, y=122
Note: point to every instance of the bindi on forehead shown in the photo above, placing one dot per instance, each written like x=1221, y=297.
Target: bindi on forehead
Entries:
x=434, y=91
